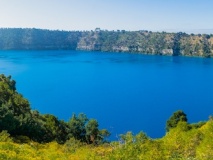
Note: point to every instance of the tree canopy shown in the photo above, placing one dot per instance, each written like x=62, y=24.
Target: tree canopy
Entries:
x=17, y=118
x=178, y=116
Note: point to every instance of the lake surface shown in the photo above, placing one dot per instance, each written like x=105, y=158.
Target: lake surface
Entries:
x=124, y=92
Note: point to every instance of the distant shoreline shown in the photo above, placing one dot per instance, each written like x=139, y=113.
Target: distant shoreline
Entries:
x=143, y=41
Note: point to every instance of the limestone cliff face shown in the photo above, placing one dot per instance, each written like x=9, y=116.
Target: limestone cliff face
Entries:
x=167, y=52
x=160, y=43
x=144, y=42
x=197, y=45
x=88, y=41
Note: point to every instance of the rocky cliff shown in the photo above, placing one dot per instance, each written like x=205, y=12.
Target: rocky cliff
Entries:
x=144, y=42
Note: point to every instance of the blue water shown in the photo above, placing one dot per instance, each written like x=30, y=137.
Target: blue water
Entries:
x=124, y=92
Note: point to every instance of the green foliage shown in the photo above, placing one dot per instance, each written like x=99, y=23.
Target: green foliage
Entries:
x=204, y=150
x=54, y=129
x=72, y=145
x=77, y=126
x=198, y=124
x=5, y=137
x=103, y=134
x=92, y=131
x=178, y=116
x=24, y=124
x=181, y=142
x=14, y=109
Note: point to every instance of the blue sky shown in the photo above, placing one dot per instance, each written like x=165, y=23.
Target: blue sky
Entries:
x=155, y=15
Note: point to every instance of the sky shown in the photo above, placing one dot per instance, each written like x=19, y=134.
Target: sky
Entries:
x=153, y=15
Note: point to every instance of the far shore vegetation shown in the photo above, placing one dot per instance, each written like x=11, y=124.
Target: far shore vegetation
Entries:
x=142, y=41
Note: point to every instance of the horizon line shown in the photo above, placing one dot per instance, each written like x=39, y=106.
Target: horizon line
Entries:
x=188, y=31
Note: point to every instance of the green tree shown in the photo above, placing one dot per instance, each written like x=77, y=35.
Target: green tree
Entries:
x=77, y=126
x=14, y=109
x=92, y=131
x=175, y=118
x=17, y=118
x=103, y=134
x=55, y=129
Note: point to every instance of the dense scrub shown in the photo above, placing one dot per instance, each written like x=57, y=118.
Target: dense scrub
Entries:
x=181, y=142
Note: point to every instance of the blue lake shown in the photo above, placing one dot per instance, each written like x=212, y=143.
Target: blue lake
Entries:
x=124, y=92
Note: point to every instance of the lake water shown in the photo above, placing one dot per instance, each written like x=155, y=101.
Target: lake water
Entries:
x=124, y=92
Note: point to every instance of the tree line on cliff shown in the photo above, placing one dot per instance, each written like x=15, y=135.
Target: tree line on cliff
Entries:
x=145, y=42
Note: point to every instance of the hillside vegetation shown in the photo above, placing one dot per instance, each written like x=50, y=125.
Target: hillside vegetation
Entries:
x=26, y=134
x=22, y=123
x=145, y=42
